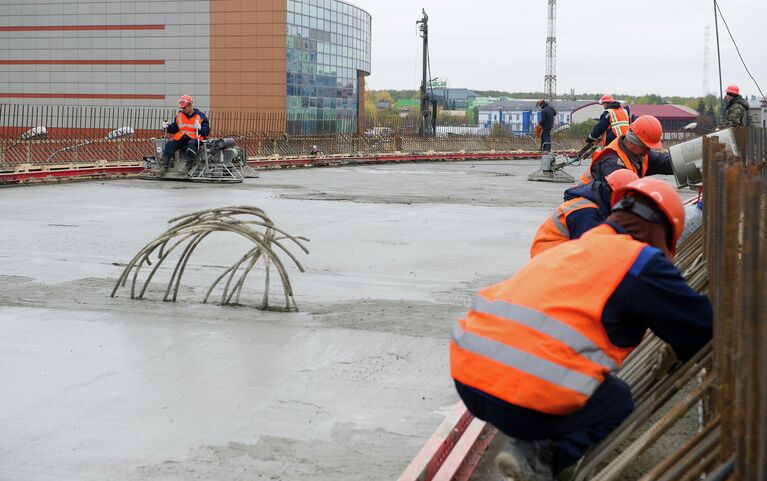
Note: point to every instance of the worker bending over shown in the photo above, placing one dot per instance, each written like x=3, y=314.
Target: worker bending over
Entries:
x=585, y=207
x=632, y=151
x=188, y=129
x=613, y=123
x=535, y=355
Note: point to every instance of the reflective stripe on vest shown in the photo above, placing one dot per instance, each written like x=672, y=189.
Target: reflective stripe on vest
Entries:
x=525, y=362
x=616, y=148
x=186, y=126
x=619, y=123
x=536, y=340
x=554, y=230
x=547, y=325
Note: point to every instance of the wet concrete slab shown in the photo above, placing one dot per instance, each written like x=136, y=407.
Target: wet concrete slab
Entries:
x=348, y=388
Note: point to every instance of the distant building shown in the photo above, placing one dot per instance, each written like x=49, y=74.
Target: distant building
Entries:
x=673, y=118
x=521, y=115
x=383, y=104
x=453, y=99
x=757, y=112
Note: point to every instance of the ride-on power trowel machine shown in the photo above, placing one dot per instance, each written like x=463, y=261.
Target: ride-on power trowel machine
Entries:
x=218, y=160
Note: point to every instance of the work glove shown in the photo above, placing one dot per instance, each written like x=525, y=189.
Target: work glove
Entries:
x=197, y=124
x=589, y=140
x=165, y=124
x=664, y=361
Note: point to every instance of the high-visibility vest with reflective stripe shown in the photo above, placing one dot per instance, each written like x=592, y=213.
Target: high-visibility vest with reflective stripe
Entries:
x=615, y=147
x=554, y=230
x=186, y=126
x=619, y=123
x=536, y=340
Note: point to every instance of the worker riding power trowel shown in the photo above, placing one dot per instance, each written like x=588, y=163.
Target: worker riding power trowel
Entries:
x=218, y=160
x=552, y=165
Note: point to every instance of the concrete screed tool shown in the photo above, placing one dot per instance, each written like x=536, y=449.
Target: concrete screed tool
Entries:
x=552, y=165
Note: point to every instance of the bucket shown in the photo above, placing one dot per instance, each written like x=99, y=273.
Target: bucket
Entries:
x=687, y=157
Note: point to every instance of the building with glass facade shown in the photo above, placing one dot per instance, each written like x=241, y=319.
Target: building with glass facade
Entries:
x=303, y=60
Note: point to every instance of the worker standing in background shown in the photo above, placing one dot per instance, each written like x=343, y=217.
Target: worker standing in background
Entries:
x=632, y=151
x=585, y=207
x=535, y=355
x=613, y=123
x=189, y=128
x=737, y=108
x=546, y=123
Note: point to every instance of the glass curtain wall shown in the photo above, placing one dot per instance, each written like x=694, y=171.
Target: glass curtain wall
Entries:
x=328, y=42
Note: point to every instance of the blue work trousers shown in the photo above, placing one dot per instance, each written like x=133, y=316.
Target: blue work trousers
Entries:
x=572, y=434
x=546, y=140
x=186, y=145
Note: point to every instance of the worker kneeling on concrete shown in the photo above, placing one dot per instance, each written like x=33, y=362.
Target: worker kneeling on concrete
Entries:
x=585, y=207
x=188, y=129
x=535, y=355
x=632, y=151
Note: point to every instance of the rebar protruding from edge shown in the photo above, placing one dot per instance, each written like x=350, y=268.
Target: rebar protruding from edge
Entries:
x=251, y=223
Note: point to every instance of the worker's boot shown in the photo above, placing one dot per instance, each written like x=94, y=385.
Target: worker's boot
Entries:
x=527, y=460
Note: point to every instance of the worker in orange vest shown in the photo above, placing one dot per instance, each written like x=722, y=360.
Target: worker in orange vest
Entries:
x=584, y=208
x=614, y=121
x=535, y=355
x=632, y=151
x=188, y=129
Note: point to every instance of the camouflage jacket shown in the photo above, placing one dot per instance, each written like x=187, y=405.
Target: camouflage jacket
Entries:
x=737, y=113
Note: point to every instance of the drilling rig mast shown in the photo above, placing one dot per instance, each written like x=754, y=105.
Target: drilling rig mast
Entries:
x=550, y=80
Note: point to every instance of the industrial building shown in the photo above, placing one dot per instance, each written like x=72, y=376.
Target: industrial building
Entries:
x=521, y=116
x=302, y=59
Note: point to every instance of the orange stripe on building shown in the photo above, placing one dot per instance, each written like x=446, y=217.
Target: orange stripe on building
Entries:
x=82, y=96
x=82, y=62
x=60, y=28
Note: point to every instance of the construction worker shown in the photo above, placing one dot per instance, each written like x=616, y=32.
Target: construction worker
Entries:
x=188, y=129
x=545, y=124
x=535, y=354
x=632, y=151
x=737, y=108
x=614, y=121
x=584, y=208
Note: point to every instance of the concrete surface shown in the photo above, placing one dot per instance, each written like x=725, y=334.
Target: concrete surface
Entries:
x=348, y=388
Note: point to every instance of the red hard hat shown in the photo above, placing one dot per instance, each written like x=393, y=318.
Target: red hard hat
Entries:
x=620, y=178
x=663, y=195
x=606, y=98
x=649, y=131
x=733, y=90
x=540, y=102
x=185, y=100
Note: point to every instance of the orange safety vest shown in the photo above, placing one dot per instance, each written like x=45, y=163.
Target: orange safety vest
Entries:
x=536, y=340
x=186, y=126
x=614, y=146
x=554, y=230
x=619, y=123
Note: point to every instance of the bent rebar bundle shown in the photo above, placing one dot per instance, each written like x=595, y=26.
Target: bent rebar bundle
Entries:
x=190, y=230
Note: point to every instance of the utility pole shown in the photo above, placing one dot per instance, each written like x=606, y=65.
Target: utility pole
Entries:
x=423, y=27
x=719, y=62
x=550, y=80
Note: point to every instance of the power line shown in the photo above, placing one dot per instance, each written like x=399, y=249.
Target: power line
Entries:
x=738, y=50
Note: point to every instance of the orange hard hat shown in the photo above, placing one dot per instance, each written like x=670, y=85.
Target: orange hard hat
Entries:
x=664, y=197
x=606, y=98
x=733, y=90
x=620, y=178
x=649, y=131
x=185, y=100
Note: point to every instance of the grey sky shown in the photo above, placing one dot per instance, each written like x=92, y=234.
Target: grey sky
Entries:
x=649, y=46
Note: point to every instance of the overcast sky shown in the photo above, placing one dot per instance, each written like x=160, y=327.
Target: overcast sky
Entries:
x=645, y=46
